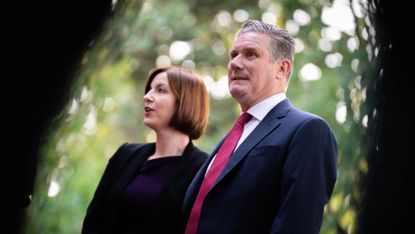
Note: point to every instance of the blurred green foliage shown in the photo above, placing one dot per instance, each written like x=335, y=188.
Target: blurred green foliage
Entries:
x=106, y=105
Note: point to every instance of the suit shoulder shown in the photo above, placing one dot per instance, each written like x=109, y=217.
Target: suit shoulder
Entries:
x=127, y=149
x=305, y=117
x=131, y=146
x=199, y=155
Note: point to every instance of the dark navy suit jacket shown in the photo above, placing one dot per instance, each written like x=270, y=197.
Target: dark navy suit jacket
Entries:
x=277, y=181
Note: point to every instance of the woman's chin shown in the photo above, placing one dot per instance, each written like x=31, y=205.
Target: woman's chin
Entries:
x=147, y=123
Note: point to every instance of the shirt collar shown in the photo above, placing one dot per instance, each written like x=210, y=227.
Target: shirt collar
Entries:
x=261, y=109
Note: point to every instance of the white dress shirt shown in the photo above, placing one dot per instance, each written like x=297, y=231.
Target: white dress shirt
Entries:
x=258, y=112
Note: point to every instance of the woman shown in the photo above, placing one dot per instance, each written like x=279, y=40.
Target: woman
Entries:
x=143, y=185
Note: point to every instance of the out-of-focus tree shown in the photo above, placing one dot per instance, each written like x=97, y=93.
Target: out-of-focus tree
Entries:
x=387, y=200
x=106, y=107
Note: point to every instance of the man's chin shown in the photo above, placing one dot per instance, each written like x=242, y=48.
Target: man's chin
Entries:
x=237, y=94
x=236, y=90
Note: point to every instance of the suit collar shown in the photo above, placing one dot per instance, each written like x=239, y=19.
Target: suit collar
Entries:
x=261, y=109
x=271, y=121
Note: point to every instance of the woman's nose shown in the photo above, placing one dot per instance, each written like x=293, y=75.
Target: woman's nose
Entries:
x=148, y=97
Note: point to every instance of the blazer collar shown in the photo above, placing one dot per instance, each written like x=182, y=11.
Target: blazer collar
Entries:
x=140, y=155
x=135, y=160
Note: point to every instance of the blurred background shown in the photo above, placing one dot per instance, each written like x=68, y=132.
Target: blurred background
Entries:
x=84, y=82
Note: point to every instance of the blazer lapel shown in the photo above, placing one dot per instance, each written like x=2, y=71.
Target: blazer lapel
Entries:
x=134, y=162
x=271, y=121
x=184, y=166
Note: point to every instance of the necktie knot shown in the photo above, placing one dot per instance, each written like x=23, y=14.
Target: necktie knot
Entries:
x=244, y=118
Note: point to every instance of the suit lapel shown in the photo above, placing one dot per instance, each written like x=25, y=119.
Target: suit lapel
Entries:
x=271, y=122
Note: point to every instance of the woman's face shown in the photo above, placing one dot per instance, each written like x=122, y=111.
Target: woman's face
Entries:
x=159, y=103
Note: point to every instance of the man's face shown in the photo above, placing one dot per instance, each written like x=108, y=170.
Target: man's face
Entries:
x=252, y=73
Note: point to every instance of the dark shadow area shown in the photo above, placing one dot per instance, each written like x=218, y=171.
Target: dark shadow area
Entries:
x=43, y=43
x=389, y=197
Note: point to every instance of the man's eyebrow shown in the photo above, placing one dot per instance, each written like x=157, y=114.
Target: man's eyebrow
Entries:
x=250, y=48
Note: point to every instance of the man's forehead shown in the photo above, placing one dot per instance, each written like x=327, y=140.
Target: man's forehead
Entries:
x=254, y=38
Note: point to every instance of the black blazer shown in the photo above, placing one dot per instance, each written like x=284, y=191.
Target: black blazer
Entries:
x=277, y=181
x=102, y=212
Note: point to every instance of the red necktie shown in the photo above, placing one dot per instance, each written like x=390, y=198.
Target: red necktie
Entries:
x=215, y=169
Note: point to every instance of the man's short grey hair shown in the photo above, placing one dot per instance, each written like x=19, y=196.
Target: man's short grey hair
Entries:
x=281, y=44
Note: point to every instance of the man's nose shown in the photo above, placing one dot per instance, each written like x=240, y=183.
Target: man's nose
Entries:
x=235, y=63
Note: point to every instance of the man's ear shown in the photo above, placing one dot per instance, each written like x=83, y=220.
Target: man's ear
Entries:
x=283, y=68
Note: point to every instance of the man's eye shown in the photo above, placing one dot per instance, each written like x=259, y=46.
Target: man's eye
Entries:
x=250, y=55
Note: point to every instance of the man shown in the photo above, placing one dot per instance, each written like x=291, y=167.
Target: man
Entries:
x=283, y=169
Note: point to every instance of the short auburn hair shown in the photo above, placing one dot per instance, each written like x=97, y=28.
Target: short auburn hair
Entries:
x=192, y=99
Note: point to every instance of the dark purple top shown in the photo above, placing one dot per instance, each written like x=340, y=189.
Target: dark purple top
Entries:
x=142, y=192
